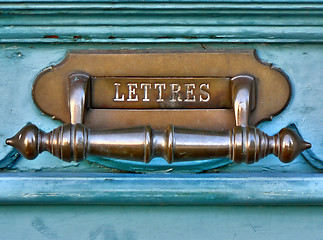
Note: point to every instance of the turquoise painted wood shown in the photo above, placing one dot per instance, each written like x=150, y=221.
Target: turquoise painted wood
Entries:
x=91, y=201
x=161, y=21
x=161, y=222
x=161, y=189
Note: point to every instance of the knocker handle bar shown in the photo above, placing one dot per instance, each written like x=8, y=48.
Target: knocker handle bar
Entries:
x=75, y=142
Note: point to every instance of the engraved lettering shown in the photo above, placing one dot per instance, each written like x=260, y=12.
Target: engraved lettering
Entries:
x=145, y=87
x=160, y=87
x=161, y=92
x=132, y=97
x=204, y=92
x=190, y=97
x=176, y=88
x=118, y=98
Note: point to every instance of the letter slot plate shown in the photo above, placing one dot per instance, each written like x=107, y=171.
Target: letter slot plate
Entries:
x=181, y=106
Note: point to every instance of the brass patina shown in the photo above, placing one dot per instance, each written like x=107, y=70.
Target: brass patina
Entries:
x=74, y=142
x=125, y=104
x=160, y=93
x=51, y=88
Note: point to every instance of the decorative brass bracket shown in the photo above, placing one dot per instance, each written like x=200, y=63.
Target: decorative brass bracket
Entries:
x=215, y=99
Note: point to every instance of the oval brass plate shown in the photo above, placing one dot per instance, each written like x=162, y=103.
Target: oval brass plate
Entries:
x=188, y=89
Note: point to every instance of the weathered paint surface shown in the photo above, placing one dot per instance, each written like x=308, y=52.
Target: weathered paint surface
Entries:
x=161, y=189
x=161, y=21
x=160, y=222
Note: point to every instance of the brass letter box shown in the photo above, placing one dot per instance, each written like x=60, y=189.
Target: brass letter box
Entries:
x=181, y=106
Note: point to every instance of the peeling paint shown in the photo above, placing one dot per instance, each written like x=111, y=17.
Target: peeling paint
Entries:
x=50, y=36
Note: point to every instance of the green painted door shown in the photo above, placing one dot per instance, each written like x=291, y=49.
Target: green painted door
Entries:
x=108, y=199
